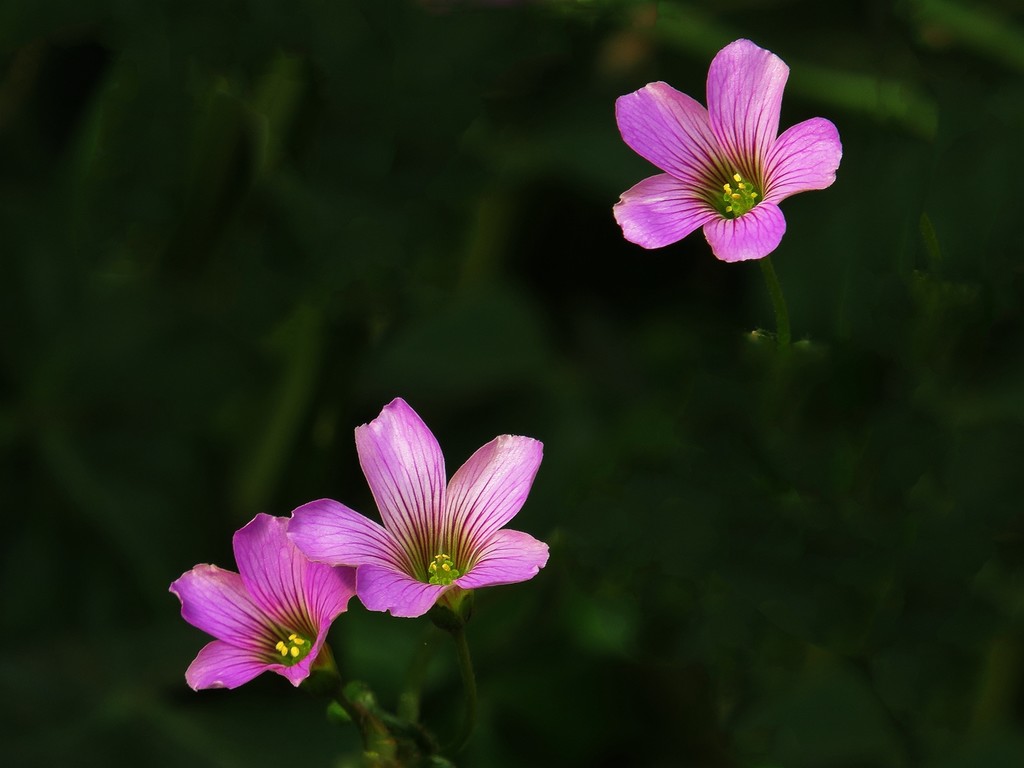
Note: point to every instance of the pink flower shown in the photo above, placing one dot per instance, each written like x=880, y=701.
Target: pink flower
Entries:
x=273, y=615
x=437, y=536
x=726, y=167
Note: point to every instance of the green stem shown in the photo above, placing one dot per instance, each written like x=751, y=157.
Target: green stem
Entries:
x=468, y=685
x=380, y=748
x=778, y=302
x=409, y=698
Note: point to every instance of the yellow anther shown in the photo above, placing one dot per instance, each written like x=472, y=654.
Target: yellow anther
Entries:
x=742, y=185
x=753, y=195
x=737, y=177
x=735, y=196
x=727, y=188
x=728, y=209
x=294, y=648
x=441, y=570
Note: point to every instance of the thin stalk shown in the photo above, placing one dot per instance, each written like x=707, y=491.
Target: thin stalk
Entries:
x=771, y=280
x=468, y=687
x=409, y=698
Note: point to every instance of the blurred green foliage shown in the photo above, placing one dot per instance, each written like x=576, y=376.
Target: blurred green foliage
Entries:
x=231, y=232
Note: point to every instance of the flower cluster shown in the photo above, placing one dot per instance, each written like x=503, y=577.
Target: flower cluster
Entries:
x=296, y=576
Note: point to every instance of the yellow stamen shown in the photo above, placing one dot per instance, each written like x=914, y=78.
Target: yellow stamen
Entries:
x=294, y=649
x=441, y=570
x=740, y=196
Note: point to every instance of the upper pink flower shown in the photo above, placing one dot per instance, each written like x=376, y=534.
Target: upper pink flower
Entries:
x=436, y=536
x=273, y=615
x=726, y=167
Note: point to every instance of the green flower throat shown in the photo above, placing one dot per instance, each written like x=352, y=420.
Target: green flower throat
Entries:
x=442, y=570
x=738, y=197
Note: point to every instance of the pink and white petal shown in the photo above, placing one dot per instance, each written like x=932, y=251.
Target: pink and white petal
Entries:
x=273, y=570
x=753, y=235
x=405, y=469
x=296, y=673
x=216, y=601
x=489, y=490
x=385, y=589
x=745, y=85
x=327, y=591
x=222, y=665
x=805, y=157
x=508, y=558
x=659, y=211
x=330, y=532
x=671, y=130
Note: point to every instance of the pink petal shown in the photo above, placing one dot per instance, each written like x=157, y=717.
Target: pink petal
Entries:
x=221, y=665
x=405, y=469
x=509, y=557
x=216, y=601
x=745, y=85
x=753, y=235
x=805, y=157
x=671, y=130
x=488, y=491
x=328, y=590
x=300, y=595
x=385, y=589
x=332, y=533
x=659, y=211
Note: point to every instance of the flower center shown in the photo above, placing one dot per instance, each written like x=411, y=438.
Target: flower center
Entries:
x=294, y=649
x=442, y=570
x=738, y=197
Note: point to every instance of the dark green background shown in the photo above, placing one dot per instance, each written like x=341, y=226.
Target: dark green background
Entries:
x=231, y=232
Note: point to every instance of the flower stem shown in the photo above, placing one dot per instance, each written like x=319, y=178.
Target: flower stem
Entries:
x=409, y=698
x=468, y=685
x=771, y=280
x=379, y=745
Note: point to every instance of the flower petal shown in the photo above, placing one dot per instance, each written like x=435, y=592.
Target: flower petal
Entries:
x=327, y=591
x=221, y=665
x=753, y=235
x=488, y=491
x=216, y=601
x=509, y=557
x=386, y=589
x=659, y=211
x=330, y=532
x=301, y=596
x=671, y=130
x=804, y=157
x=405, y=469
x=745, y=85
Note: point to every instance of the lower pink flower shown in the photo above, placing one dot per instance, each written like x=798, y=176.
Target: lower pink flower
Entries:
x=272, y=615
